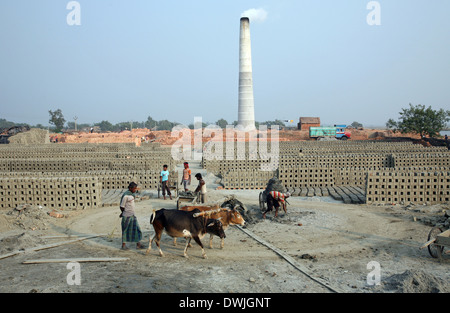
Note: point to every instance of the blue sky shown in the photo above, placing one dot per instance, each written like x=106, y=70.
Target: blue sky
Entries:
x=178, y=59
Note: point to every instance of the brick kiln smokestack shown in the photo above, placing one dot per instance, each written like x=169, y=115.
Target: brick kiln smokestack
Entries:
x=246, y=118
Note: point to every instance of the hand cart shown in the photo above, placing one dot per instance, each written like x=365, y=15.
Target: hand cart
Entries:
x=189, y=198
x=438, y=239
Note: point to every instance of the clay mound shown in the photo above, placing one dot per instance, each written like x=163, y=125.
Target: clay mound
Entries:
x=377, y=135
x=416, y=281
x=33, y=136
x=32, y=217
x=20, y=241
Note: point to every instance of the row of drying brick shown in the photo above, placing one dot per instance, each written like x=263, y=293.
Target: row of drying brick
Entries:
x=420, y=187
x=381, y=186
x=295, y=149
x=250, y=179
x=362, y=149
x=300, y=177
x=328, y=176
x=323, y=177
x=337, y=160
x=220, y=167
x=86, y=147
x=289, y=170
x=109, y=179
x=420, y=159
x=67, y=192
x=327, y=147
x=86, y=150
x=8, y=155
x=286, y=163
x=83, y=165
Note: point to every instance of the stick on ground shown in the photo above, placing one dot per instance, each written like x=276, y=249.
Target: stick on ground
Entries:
x=79, y=260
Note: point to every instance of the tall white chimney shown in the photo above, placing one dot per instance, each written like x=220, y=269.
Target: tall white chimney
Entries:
x=246, y=118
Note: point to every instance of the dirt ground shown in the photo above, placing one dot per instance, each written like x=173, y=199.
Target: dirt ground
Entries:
x=330, y=243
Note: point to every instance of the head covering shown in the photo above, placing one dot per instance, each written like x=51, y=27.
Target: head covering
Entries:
x=287, y=194
x=132, y=185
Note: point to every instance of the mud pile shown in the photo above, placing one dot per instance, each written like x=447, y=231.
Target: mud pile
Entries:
x=33, y=136
x=19, y=241
x=29, y=217
x=416, y=281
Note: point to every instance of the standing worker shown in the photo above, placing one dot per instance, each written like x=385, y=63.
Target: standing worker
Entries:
x=274, y=198
x=186, y=176
x=131, y=232
x=164, y=180
x=201, y=188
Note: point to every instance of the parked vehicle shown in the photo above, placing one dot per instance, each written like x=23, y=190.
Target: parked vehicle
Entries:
x=338, y=132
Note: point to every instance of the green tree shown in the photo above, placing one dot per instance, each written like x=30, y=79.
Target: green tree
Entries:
x=6, y=124
x=165, y=125
x=356, y=124
x=39, y=126
x=222, y=123
x=57, y=119
x=122, y=126
x=150, y=123
x=420, y=120
x=105, y=126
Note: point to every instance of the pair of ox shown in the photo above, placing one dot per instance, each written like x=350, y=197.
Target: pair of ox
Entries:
x=193, y=222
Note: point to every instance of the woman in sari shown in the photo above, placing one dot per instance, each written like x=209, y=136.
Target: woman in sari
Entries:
x=131, y=232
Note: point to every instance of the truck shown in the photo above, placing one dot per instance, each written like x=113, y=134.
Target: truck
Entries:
x=338, y=132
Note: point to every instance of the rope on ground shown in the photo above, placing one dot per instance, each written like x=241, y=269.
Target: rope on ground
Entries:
x=289, y=259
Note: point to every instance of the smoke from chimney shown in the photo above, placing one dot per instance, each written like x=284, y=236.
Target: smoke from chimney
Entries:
x=255, y=15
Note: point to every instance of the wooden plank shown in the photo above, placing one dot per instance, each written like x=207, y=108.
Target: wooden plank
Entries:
x=443, y=239
x=69, y=236
x=45, y=247
x=79, y=260
x=428, y=243
x=11, y=254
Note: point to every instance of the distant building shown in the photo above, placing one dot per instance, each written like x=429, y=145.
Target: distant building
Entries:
x=307, y=122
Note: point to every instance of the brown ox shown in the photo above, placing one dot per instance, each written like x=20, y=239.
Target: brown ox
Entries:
x=225, y=215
